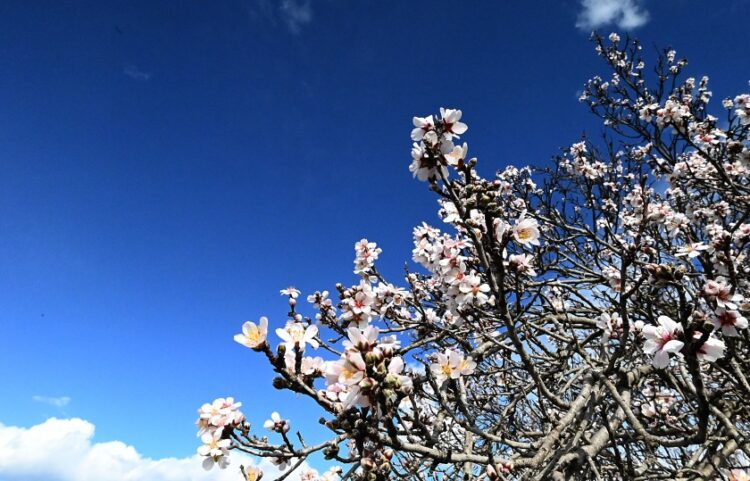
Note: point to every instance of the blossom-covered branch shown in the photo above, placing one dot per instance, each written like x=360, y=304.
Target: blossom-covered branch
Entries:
x=584, y=319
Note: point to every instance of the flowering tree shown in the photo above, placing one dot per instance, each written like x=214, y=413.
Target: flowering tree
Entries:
x=584, y=320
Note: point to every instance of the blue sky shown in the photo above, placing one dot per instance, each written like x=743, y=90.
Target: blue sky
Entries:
x=167, y=167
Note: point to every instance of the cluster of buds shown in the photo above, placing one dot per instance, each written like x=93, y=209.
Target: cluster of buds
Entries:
x=321, y=301
x=376, y=465
x=662, y=274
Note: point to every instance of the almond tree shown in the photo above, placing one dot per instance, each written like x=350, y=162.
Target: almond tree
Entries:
x=582, y=320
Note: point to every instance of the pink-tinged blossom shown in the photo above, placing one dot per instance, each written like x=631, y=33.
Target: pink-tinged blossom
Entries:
x=613, y=276
x=609, y=324
x=222, y=412
x=424, y=166
x=253, y=336
x=661, y=341
x=722, y=294
x=457, y=155
x=711, y=350
x=422, y=125
x=215, y=450
x=366, y=253
x=729, y=321
x=308, y=474
x=500, y=228
x=347, y=371
x=742, y=106
x=738, y=475
x=296, y=334
x=526, y=230
x=310, y=365
x=691, y=249
x=522, y=263
x=319, y=299
x=277, y=424
x=451, y=123
x=473, y=290
x=742, y=233
x=362, y=339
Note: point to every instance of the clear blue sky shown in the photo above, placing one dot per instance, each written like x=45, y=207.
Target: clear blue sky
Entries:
x=166, y=167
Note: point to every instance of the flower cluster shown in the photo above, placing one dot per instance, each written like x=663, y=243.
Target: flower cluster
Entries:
x=435, y=137
x=451, y=364
x=367, y=253
x=214, y=420
x=367, y=367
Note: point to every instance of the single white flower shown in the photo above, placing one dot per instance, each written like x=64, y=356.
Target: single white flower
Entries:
x=662, y=340
x=297, y=334
x=253, y=335
x=729, y=321
x=422, y=125
x=253, y=473
x=453, y=128
x=290, y=291
x=692, y=249
x=215, y=449
x=522, y=263
x=276, y=424
x=711, y=350
x=526, y=230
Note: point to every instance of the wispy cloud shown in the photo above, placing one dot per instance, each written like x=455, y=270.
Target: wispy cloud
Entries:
x=58, y=402
x=296, y=14
x=292, y=15
x=625, y=14
x=136, y=74
x=63, y=450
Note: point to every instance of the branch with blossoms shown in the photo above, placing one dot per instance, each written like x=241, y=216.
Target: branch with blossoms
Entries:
x=582, y=320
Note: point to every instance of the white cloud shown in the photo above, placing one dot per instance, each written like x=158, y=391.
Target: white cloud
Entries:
x=63, y=450
x=58, y=402
x=136, y=74
x=626, y=14
x=296, y=13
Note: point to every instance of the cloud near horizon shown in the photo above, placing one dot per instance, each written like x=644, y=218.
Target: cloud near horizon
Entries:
x=63, y=450
x=625, y=14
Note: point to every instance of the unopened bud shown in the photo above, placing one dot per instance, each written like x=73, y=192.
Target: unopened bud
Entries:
x=373, y=357
x=392, y=381
x=367, y=383
x=367, y=464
